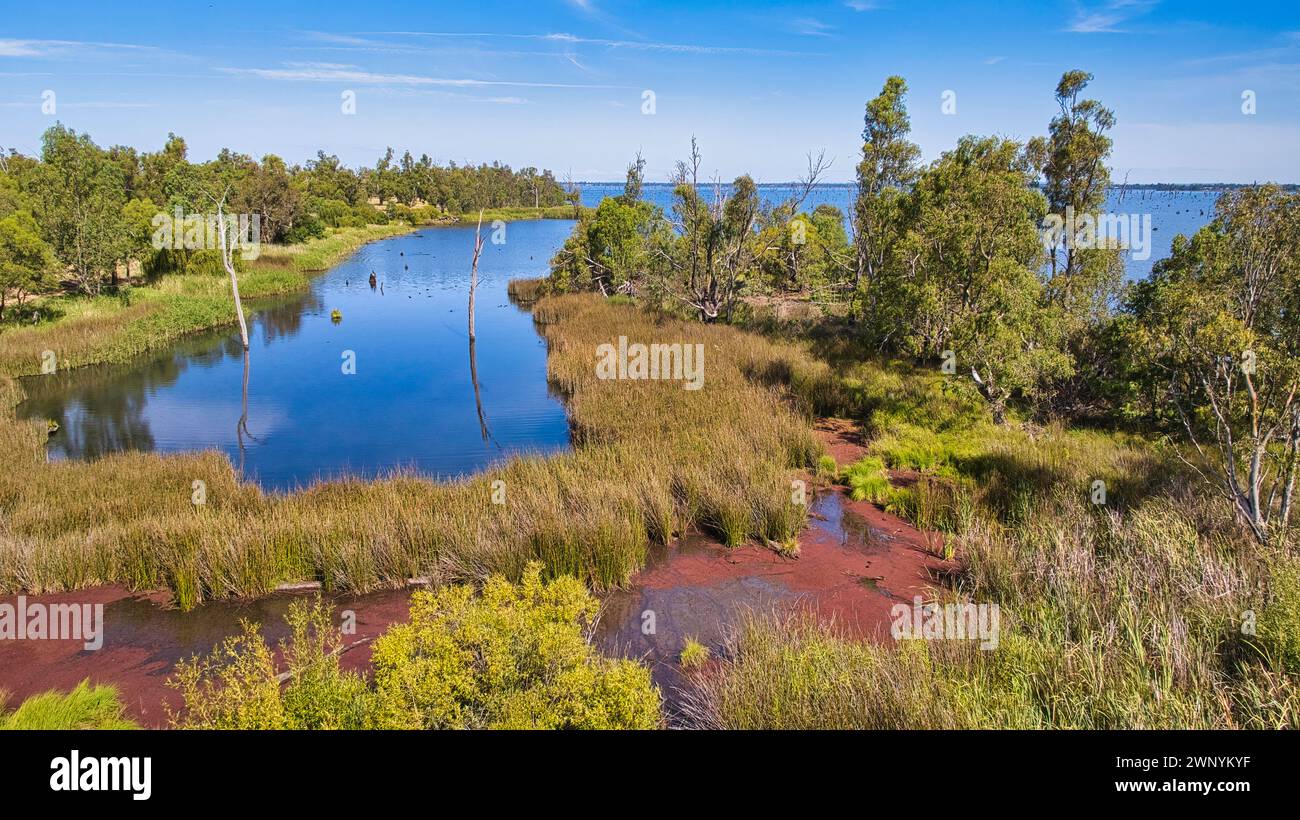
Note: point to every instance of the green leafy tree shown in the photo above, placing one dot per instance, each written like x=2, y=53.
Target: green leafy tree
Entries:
x=969, y=281
x=79, y=193
x=1215, y=340
x=887, y=169
x=26, y=261
x=138, y=229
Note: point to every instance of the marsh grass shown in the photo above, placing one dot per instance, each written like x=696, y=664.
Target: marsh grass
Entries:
x=520, y=212
x=651, y=459
x=1151, y=609
x=85, y=707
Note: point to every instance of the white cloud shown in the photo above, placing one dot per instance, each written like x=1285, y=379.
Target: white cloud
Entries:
x=573, y=39
x=1108, y=17
x=297, y=72
x=59, y=48
x=812, y=27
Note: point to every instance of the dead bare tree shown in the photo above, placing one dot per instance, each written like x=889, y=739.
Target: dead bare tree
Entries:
x=473, y=271
x=228, y=260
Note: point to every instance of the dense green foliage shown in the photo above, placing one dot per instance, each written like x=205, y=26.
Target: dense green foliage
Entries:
x=506, y=657
x=86, y=214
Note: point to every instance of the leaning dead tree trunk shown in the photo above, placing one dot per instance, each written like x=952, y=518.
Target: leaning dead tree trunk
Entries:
x=228, y=260
x=473, y=271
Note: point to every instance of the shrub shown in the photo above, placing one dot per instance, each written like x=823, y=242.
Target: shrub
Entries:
x=514, y=657
x=868, y=480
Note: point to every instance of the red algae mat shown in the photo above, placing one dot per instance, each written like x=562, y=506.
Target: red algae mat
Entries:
x=855, y=563
x=143, y=640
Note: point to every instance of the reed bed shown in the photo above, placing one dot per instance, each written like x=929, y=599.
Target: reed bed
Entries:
x=650, y=460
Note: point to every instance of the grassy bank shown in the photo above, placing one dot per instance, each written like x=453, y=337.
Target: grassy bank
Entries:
x=515, y=213
x=1147, y=607
x=651, y=458
x=115, y=328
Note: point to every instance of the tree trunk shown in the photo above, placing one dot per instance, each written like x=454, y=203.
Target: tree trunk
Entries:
x=473, y=271
x=228, y=260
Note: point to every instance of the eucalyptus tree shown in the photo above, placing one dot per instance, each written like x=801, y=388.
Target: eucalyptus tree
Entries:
x=968, y=289
x=1073, y=163
x=25, y=258
x=885, y=173
x=1215, y=334
x=78, y=192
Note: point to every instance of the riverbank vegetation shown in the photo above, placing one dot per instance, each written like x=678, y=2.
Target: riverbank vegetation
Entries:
x=1109, y=462
x=80, y=218
x=82, y=330
x=511, y=656
x=85, y=707
x=650, y=460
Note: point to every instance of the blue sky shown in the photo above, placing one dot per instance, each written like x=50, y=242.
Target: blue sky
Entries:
x=560, y=84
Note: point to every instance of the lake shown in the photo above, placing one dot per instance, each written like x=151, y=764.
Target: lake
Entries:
x=411, y=403
x=1171, y=212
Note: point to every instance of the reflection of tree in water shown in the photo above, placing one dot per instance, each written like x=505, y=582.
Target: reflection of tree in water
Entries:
x=241, y=428
x=478, y=398
x=100, y=410
x=282, y=318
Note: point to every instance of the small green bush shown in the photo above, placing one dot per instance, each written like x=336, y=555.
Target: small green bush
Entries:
x=694, y=654
x=514, y=657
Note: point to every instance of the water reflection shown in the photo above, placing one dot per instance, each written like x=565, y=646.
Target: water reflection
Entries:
x=300, y=418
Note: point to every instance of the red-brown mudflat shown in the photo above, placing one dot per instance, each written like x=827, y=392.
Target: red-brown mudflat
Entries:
x=143, y=640
x=855, y=563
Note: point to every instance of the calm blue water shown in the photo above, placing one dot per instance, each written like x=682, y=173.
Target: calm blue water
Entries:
x=411, y=402
x=1172, y=212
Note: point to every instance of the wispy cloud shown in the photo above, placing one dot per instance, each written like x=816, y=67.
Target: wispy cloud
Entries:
x=862, y=5
x=84, y=104
x=60, y=48
x=994, y=60
x=297, y=72
x=812, y=27
x=1109, y=17
x=575, y=40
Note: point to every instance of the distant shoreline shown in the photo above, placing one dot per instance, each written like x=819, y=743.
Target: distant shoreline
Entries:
x=1132, y=186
